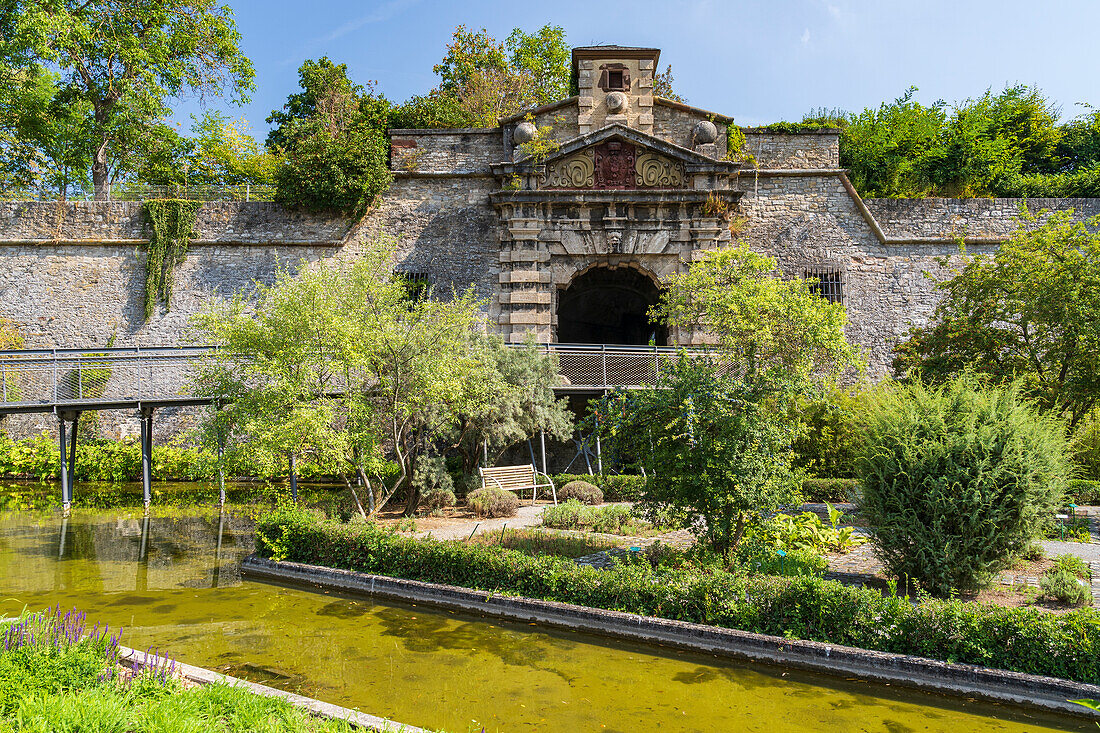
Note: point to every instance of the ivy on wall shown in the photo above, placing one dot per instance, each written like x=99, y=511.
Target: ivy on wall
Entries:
x=173, y=224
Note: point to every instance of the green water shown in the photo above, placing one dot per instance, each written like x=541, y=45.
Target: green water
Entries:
x=172, y=581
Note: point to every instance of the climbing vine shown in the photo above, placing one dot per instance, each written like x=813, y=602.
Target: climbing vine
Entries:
x=173, y=223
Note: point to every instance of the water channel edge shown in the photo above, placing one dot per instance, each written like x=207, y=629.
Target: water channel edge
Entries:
x=956, y=680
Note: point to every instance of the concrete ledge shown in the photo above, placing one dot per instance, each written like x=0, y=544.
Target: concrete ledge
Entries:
x=129, y=657
x=1046, y=693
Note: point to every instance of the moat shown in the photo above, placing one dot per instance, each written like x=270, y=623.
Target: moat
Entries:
x=172, y=581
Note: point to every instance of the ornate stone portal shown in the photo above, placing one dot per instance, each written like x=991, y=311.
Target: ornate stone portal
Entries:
x=614, y=198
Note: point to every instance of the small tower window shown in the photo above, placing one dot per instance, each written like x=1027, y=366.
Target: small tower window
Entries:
x=416, y=284
x=829, y=285
x=615, y=79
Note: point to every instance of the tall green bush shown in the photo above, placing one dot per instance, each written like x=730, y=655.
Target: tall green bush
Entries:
x=957, y=480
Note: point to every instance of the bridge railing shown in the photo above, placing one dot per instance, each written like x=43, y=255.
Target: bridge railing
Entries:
x=149, y=374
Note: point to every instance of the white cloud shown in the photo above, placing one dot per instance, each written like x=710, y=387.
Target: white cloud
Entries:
x=383, y=13
x=805, y=37
x=834, y=10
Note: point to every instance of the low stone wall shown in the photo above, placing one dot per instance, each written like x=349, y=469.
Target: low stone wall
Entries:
x=446, y=151
x=787, y=151
x=964, y=680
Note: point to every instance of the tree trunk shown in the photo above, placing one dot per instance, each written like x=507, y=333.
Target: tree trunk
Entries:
x=101, y=170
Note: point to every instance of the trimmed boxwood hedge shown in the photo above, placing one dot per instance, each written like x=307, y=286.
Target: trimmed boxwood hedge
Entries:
x=1021, y=639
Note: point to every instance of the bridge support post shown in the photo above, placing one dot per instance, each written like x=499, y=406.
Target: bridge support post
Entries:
x=293, y=478
x=75, y=421
x=146, y=455
x=66, y=476
x=221, y=475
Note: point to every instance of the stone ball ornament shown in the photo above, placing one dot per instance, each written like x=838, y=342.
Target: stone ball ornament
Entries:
x=525, y=132
x=704, y=133
x=616, y=101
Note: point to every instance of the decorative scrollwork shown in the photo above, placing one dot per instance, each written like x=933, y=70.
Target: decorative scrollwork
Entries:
x=576, y=171
x=655, y=171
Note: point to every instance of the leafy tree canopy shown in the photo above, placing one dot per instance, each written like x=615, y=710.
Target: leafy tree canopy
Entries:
x=777, y=328
x=118, y=64
x=220, y=151
x=1029, y=311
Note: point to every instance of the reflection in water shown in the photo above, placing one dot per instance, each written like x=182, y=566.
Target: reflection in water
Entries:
x=173, y=582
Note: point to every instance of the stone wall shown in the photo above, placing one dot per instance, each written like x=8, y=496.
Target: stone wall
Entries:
x=674, y=122
x=934, y=217
x=806, y=150
x=469, y=150
x=42, y=222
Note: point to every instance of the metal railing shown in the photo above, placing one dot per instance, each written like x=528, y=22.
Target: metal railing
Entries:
x=125, y=375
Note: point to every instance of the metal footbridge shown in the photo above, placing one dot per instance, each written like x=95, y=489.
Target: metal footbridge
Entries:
x=67, y=382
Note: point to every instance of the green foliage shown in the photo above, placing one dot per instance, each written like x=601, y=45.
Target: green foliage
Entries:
x=1064, y=586
x=1072, y=564
x=173, y=223
x=492, y=501
x=524, y=403
x=582, y=491
x=544, y=55
x=1084, y=446
x=1083, y=492
x=1029, y=312
x=806, y=531
x=615, y=487
x=572, y=514
x=828, y=441
x=1021, y=639
x=113, y=74
x=219, y=152
x=330, y=142
x=663, y=83
x=830, y=489
x=538, y=542
x=718, y=446
x=437, y=109
x=776, y=329
x=437, y=499
x=794, y=128
x=958, y=480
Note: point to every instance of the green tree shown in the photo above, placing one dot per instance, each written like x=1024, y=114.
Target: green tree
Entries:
x=120, y=63
x=1029, y=311
x=777, y=329
x=662, y=85
x=330, y=141
x=717, y=449
x=467, y=53
x=544, y=56
x=525, y=405
x=340, y=364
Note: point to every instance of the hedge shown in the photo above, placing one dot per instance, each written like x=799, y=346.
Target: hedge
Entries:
x=830, y=489
x=1021, y=639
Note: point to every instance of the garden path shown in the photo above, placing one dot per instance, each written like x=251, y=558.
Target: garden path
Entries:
x=528, y=515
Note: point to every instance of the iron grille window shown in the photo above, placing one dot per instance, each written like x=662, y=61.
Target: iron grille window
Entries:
x=416, y=283
x=829, y=284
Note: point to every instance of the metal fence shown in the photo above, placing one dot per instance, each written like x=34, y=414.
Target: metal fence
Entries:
x=142, y=192
x=75, y=377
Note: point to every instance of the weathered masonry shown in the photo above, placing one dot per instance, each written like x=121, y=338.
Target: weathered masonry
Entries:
x=571, y=244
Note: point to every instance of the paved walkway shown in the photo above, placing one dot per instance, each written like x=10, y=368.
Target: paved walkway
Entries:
x=528, y=515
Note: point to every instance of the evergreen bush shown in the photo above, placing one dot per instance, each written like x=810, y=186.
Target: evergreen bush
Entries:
x=582, y=491
x=958, y=480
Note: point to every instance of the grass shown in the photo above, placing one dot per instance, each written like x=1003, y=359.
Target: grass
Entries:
x=538, y=542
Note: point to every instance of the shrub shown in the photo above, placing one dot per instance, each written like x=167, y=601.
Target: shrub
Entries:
x=582, y=491
x=493, y=502
x=830, y=489
x=958, y=480
x=570, y=514
x=1072, y=564
x=1062, y=585
x=437, y=499
x=1083, y=492
x=828, y=441
x=619, y=487
x=1021, y=639
x=608, y=519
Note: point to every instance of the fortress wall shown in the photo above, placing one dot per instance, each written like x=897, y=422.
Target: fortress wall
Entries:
x=469, y=150
x=936, y=217
x=803, y=150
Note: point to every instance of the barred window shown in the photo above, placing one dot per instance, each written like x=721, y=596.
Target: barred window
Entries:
x=416, y=283
x=829, y=285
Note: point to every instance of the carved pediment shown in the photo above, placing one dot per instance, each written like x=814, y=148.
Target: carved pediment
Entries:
x=613, y=164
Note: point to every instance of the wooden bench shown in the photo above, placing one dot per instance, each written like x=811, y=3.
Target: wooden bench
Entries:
x=517, y=479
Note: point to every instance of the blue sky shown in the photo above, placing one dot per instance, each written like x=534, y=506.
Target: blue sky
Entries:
x=760, y=61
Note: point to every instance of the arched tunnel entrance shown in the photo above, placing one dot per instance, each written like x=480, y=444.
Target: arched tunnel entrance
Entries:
x=609, y=306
